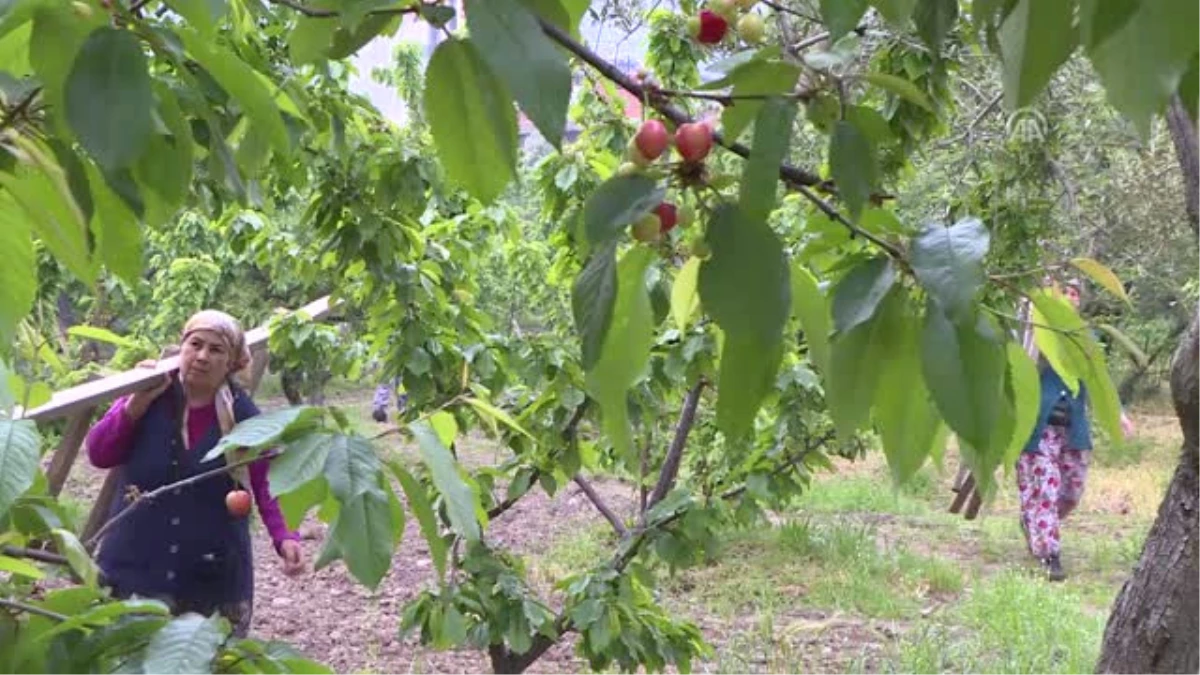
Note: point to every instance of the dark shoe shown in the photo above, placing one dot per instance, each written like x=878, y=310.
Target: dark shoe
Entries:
x=380, y=415
x=1054, y=570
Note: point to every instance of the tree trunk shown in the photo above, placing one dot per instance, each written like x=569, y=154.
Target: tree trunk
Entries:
x=1155, y=620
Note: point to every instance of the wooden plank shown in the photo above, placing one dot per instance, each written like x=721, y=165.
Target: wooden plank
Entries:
x=965, y=490
x=90, y=394
x=257, y=368
x=68, y=449
x=974, y=506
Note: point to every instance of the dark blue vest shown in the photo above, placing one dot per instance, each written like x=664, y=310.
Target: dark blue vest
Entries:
x=184, y=546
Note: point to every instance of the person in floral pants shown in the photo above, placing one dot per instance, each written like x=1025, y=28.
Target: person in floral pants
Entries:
x=1053, y=467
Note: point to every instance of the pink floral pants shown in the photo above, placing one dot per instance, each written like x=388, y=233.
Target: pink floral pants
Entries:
x=1051, y=482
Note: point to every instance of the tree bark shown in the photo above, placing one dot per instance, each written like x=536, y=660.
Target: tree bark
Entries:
x=1154, y=624
x=1183, y=134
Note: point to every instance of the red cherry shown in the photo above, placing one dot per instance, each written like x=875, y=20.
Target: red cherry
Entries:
x=238, y=503
x=652, y=139
x=713, y=27
x=694, y=140
x=668, y=216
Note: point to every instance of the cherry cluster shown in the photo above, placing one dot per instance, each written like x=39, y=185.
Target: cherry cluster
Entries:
x=711, y=24
x=693, y=141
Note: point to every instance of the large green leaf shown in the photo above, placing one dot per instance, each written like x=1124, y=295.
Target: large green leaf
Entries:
x=1102, y=275
x=243, y=83
x=58, y=33
x=188, y=644
x=760, y=179
x=351, y=467
x=77, y=556
x=201, y=14
x=841, y=16
x=296, y=503
x=756, y=78
x=266, y=429
x=852, y=165
x=1026, y=389
x=592, y=299
x=513, y=44
x=745, y=288
x=309, y=40
x=302, y=460
x=1054, y=347
x=857, y=296
x=895, y=12
x=934, y=19
x=618, y=202
x=565, y=14
x=117, y=230
x=1142, y=62
x=418, y=501
x=900, y=87
x=685, y=299
x=462, y=504
x=811, y=308
x=42, y=192
x=471, y=118
x=907, y=418
x=493, y=414
x=964, y=365
x=854, y=366
x=109, y=98
x=625, y=349
x=1035, y=39
x=1099, y=19
x=166, y=166
x=18, y=274
x=948, y=261
x=364, y=536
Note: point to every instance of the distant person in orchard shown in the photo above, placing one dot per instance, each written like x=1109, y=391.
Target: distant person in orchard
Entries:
x=383, y=395
x=190, y=547
x=1053, y=467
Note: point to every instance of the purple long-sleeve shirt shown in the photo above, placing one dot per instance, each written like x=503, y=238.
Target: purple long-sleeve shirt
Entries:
x=110, y=439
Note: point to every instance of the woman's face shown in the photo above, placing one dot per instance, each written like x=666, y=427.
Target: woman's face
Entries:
x=1073, y=296
x=204, y=360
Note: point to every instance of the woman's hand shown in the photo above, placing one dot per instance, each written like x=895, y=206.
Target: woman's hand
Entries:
x=1127, y=426
x=292, y=555
x=139, y=403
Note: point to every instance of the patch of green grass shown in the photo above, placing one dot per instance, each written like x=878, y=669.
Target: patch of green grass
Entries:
x=860, y=494
x=577, y=551
x=1119, y=455
x=1011, y=622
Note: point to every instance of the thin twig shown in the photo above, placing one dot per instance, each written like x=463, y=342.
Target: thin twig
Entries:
x=20, y=108
x=158, y=492
x=34, y=554
x=31, y=609
x=809, y=42
x=670, y=468
x=315, y=13
x=788, y=10
x=598, y=502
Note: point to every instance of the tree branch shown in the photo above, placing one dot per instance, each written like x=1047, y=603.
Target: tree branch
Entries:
x=315, y=13
x=598, y=502
x=31, y=609
x=159, y=491
x=568, y=434
x=670, y=468
x=33, y=554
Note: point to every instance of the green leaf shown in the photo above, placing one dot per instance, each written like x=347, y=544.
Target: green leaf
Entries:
x=1142, y=63
x=857, y=296
x=352, y=467
x=1103, y=276
x=685, y=300
x=363, y=536
x=625, y=349
x=811, y=308
x=760, y=179
x=18, y=274
x=592, y=299
x=565, y=14
x=81, y=563
x=900, y=87
x=534, y=70
x=756, y=78
x=309, y=41
x=934, y=19
x=471, y=118
x=618, y=202
x=241, y=82
x=296, y=503
x=490, y=411
x=1035, y=39
x=1139, y=357
x=1055, y=346
x=964, y=367
x=100, y=335
x=166, y=166
x=418, y=501
x=948, y=261
x=303, y=460
x=201, y=14
x=19, y=451
x=907, y=418
x=1026, y=387
x=444, y=425
x=109, y=98
x=118, y=231
x=1100, y=19
x=462, y=503
x=265, y=429
x=50, y=210
x=20, y=567
x=895, y=12
x=745, y=288
x=852, y=166
x=854, y=371
x=1189, y=87
x=57, y=36
x=348, y=40
x=188, y=644
x=841, y=16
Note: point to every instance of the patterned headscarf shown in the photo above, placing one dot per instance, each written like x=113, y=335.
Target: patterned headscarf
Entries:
x=234, y=337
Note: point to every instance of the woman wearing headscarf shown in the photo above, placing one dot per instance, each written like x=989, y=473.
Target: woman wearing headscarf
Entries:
x=1053, y=468
x=187, y=548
